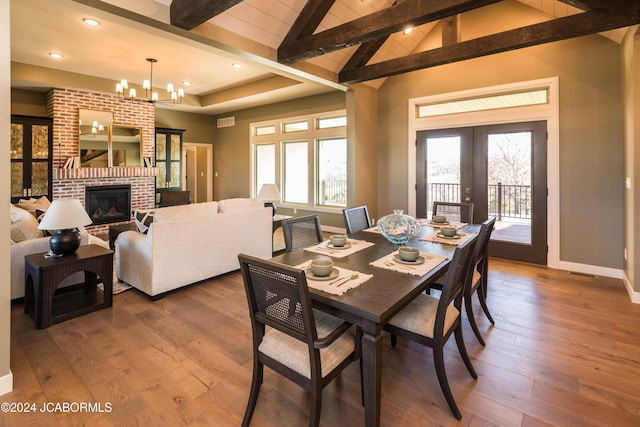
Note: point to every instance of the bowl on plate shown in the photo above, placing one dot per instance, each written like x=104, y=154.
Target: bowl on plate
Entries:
x=338, y=240
x=448, y=231
x=439, y=219
x=408, y=253
x=321, y=267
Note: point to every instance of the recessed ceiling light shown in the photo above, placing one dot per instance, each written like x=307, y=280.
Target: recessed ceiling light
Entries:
x=91, y=22
x=236, y=65
x=407, y=31
x=55, y=55
x=186, y=83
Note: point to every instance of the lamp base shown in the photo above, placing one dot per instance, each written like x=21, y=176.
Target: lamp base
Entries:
x=272, y=205
x=65, y=242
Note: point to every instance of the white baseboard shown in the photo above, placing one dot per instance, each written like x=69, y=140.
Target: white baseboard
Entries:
x=635, y=296
x=590, y=269
x=6, y=383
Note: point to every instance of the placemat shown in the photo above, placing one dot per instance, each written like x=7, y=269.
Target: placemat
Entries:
x=388, y=262
x=340, y=284
x=434, y=238
x=325, y=248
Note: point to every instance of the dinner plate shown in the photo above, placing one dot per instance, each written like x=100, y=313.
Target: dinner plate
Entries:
x=420, y=260
x=345, y=246
x=439, y=223
x=442, y=236
x=334, y=273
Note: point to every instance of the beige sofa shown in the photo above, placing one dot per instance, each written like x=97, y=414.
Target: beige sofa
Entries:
x=189, y=243
x=26, y=239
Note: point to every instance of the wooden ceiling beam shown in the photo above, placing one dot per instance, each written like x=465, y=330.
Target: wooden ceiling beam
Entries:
x=364, y=53
x=188, y=14
x=558, y=29
x=373, y=26
x=310, y=17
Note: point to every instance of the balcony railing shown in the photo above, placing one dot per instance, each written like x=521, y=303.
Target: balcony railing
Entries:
x=505, y=201
x=333, y=193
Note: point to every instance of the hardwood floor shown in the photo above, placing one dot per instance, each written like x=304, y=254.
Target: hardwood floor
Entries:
x=565, y=351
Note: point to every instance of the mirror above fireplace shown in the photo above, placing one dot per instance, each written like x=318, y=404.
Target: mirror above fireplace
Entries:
x=93, y=130
x=126, y=146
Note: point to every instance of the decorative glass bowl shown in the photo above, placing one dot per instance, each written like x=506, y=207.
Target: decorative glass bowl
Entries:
x=398, y=228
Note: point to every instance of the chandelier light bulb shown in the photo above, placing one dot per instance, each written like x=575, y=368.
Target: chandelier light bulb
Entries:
x=170, y=87
x=180, y=93
x=147, y=85
x=132, y=93
x=154, y=96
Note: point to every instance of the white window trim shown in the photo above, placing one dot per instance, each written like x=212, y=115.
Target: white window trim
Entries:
x=311, y=136
x=548, y=112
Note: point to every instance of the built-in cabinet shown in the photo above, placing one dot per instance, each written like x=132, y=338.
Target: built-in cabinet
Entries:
x=31, y=157
x=169, y=159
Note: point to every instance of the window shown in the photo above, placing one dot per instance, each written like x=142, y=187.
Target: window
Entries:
x=308, y=161
x=332, y=172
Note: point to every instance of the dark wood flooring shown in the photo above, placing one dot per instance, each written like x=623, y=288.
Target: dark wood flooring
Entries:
x=565, y=351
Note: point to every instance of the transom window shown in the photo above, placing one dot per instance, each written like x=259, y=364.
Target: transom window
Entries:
x=306, y=157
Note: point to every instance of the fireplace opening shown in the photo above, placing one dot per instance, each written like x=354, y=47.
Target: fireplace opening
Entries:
x=108, y=203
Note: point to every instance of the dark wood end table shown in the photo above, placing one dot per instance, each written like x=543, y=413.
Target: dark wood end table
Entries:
x=43, y=275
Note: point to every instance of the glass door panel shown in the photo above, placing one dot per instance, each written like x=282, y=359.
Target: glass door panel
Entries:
x=443, y=170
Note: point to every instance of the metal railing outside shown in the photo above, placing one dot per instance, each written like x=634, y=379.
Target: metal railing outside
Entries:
x=333, y=193
x=505, y=200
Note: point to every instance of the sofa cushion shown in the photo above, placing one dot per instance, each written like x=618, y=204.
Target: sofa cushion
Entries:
x=24, y=226
x=31, y=205
x=143, y=219
x=192, y=211
x=239, y=204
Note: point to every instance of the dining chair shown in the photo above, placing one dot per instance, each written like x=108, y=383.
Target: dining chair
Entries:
x=307, y=346
x=430, y=321
x=356, y=218
x=301, y=232
x=458, y=212
x=477, y=278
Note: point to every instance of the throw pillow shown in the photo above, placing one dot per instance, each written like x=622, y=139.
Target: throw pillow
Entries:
x=31, y=205
x=143, y=220
x=24, y=226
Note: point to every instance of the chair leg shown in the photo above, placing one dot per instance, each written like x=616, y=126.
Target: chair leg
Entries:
x=438, y=360
x=482, y=296
x=316, y=406
x=256, y=382
x=394, y=340
x=472, y=319
x=463, y=351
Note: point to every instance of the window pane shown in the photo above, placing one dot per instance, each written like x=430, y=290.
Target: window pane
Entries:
x=40, y=142
x=16, y=179
x=332, y=122
x=296, y=126
x=265, y=164
x=39, y=179
x=17, y=133
x=296, y=172
x=443, y=170
x=332, y=172
x=265, y=130
x=161, y=146
x=175, y=147
x=161, y=178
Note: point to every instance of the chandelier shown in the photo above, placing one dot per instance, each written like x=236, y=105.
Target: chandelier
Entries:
x=147, y=85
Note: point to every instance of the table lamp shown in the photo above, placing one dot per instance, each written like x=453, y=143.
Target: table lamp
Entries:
x=270, y=194
x=65, y=216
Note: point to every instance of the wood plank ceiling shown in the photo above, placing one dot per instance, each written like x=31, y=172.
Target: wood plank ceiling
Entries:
x=362, y=32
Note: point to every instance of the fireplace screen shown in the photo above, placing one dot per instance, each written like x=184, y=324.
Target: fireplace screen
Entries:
x=108, y=204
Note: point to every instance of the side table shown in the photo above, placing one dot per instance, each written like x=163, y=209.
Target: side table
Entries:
x=43, y=275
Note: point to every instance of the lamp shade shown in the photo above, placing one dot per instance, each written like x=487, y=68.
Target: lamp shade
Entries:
x=64, y=214
x=269, y=193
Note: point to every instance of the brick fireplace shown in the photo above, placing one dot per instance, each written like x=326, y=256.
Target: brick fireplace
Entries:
x=63, y=105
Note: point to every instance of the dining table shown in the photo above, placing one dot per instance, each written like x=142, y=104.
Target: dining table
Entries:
x=371, y=304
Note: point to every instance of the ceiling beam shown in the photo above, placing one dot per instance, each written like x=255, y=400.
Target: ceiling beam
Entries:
x=188, y=14
x=558, y=29
x=364, y=53
x=310, y=17
x=373, y=26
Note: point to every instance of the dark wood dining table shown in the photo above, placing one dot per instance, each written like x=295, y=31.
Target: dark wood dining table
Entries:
x=373, y=303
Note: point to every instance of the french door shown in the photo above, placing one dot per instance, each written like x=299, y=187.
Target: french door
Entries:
x=502, y=170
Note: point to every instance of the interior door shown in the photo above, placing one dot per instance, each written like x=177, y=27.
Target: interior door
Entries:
x=502, y=170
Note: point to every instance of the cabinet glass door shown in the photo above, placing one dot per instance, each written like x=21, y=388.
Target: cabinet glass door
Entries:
x=169, y=159
x=31, y=166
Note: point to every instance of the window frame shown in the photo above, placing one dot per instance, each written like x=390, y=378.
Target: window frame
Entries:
x=311, y=136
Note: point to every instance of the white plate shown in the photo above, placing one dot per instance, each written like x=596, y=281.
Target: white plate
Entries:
x=420, y=260
x=442, y=236
x=332, y=246
x=334, y=273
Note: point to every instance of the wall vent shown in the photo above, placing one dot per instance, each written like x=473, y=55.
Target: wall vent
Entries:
x=226, y=122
